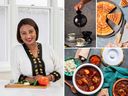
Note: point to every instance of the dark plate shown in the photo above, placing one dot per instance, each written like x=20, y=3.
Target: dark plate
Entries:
x=115, y=28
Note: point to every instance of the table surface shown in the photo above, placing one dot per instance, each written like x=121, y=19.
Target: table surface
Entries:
x=50, y=91
x=71, y=53
x=101, y=42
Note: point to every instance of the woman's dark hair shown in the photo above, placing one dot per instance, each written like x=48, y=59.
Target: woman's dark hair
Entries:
x=24, y=22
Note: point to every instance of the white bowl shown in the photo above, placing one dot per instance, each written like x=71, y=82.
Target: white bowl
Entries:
x=90, y=92
x=112, y=56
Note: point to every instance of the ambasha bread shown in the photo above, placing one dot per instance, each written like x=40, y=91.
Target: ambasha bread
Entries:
x=106, y=7
x=124, y=3
x=103, y=9
x=115, y=17
x=104, y=29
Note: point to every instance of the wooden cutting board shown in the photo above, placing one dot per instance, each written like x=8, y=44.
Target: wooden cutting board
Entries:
x=23, y=86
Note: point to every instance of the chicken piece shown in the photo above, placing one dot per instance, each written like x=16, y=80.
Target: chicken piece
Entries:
x=85, y=80
x=79, y=82
x=95, y=79
x=122, y=92
x=86, y=71
x=91, y=88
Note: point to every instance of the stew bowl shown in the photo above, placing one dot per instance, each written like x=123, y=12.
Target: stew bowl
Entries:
x=120, y=87
x=88, y=79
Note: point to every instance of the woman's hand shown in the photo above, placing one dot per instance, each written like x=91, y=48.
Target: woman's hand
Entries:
x=80, y=5
x=30, y=79
x=42, y=80
x=39, y=76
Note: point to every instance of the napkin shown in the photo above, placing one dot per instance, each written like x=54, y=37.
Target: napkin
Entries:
x=82, y=52
x=125, y=34
x=111, y=74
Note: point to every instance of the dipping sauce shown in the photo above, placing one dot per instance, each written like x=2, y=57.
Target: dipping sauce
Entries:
x=88, y=78
x=95, y=59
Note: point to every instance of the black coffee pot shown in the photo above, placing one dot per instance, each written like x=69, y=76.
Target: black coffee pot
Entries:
x=80, y=20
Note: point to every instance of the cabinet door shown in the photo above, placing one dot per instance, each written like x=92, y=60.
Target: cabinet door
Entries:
x=4, y=38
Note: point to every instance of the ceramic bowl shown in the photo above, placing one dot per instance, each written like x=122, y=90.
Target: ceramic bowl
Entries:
x=120, y=87
x=95, y=76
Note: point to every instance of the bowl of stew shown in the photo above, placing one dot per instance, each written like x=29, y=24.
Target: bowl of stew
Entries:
x=88, y=79
x=120, y=87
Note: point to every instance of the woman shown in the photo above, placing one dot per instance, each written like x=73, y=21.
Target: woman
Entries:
x=80, y=4
x=32, y=60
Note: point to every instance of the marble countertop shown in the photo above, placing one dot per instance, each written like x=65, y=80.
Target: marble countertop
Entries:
x=52, y=90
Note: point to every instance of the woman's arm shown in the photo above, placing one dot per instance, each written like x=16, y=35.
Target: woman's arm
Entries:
x=58, y=68
x=80, y=4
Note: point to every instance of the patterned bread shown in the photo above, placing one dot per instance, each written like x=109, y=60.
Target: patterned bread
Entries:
x=104, y=29
x=104, y=8
x=115, y=17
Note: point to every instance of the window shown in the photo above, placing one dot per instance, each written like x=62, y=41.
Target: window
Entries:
x=32, y=2
x=61, y=3
x=4, y=34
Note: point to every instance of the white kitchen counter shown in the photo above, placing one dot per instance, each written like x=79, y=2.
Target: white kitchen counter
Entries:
x=54, y=89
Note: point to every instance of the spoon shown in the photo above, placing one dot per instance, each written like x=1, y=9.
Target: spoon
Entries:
x=71, y=86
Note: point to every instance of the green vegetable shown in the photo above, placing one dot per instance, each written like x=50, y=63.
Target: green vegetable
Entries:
x=35, y=83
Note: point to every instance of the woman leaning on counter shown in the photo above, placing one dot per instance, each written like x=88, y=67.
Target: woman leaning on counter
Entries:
x=31, y=59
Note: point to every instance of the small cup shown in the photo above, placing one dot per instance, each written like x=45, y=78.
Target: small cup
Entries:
x=95, y=59
x=80, y=42
x=71, y=36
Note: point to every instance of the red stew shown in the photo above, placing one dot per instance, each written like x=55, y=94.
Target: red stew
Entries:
x=88, y=78
x=121, y=88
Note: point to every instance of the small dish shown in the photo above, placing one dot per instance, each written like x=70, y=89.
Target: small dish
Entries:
x=70, y=66
x=80, y=42
x=95, y=59
x=71, y=37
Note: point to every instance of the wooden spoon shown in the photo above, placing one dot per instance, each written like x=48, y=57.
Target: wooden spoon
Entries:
x=71, y=86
